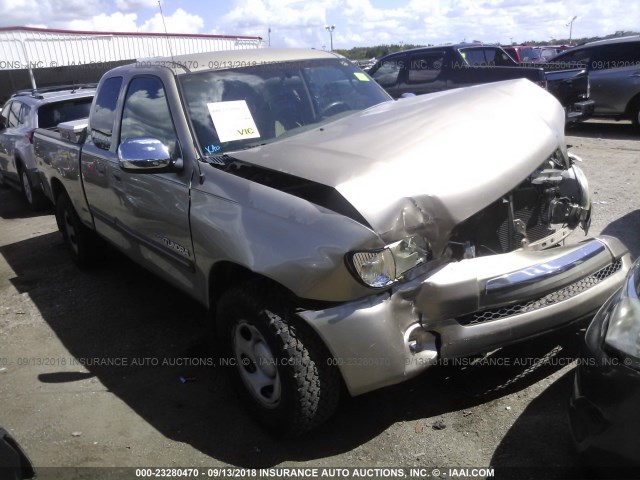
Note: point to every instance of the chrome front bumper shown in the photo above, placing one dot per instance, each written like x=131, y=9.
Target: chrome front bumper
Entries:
x=466, y=308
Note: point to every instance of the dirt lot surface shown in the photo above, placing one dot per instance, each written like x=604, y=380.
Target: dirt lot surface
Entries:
x=68, y=410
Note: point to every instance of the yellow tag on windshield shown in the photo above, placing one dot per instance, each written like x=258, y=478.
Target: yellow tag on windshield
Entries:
x=361, y=76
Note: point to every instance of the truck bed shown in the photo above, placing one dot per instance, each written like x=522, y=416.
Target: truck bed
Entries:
x=58, y=162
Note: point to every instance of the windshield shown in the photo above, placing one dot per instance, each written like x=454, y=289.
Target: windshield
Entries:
x=528, y=54
x=245, y=107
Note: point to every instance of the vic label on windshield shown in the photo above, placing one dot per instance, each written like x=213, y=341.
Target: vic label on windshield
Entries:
x=233, y=120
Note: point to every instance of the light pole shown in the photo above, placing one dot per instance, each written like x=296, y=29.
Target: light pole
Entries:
x=330, y=29
x=570, y=25
x=269, y=32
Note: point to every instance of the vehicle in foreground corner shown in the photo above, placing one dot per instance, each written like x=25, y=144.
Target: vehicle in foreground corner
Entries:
x=21, y=115
x=603, y=410
x=337, y=236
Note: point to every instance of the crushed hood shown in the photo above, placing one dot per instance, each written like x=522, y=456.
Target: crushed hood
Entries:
x=426, y=162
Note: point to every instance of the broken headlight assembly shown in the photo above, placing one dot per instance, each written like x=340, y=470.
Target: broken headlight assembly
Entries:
x=383, y=267
x=623, y=322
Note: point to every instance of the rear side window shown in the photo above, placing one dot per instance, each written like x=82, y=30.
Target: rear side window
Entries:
x=23, y=118
x=617, y=56
x=14, y=115
x=387, y=74
x=104, y=112
x=52, y=114
x=425, y=68
x=574, y=59
x=483, y=57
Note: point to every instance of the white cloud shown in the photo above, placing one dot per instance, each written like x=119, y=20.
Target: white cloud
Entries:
x=179, y=22
x=53, y=13
x=134, y=5
x=116, y=22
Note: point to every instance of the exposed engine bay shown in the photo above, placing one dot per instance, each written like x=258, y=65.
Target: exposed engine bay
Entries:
x=539, y=213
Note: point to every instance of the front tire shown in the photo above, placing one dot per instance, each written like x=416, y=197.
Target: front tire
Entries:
x=82, y=243
x=282, y=370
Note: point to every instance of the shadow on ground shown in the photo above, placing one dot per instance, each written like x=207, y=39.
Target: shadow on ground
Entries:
x=13, y=205
x=626, y=228
x=607, y=130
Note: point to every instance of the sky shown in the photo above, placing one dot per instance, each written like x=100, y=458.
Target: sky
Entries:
x=296, y=23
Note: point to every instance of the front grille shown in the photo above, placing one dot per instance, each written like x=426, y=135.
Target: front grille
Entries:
x=552, y=298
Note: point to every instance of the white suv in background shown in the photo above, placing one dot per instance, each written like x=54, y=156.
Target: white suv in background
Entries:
x=21, y=115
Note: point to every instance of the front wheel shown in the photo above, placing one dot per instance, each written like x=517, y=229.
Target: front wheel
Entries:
x=282, y=369
x=82, y=243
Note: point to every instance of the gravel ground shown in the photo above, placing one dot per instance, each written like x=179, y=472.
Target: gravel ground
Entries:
x=510, y=415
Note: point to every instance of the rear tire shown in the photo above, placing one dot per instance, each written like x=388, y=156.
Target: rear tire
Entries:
x=82, y=243
x=282, y=370
x=34, y=197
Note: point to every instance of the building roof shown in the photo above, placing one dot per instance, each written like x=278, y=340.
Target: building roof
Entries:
x=27, y=47
x=142, y=34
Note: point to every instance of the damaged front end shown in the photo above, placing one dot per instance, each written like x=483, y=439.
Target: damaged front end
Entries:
x=498, y=277
x=539, y=213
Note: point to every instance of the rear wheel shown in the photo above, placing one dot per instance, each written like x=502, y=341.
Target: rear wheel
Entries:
x=82, y=243
x=33, y=196
x=282, y=370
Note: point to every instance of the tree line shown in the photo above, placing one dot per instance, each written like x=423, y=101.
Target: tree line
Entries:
x=362, y=53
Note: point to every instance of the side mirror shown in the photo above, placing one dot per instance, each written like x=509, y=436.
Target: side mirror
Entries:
x=146, y=155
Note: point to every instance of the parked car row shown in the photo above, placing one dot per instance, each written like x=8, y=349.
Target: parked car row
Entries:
x=434, y=69
x=533, y=54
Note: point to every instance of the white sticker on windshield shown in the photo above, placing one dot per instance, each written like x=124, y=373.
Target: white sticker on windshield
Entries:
x=233, y=120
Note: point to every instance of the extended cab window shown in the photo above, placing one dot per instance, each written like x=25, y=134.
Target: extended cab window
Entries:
x=146, y=112
x=425, y=68
x=104, y=112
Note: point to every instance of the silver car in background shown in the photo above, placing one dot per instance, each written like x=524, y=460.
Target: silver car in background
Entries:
x=21, y=115
x=614, y=75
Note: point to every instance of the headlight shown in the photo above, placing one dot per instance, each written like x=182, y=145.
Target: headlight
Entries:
x=384, y=267
x=623, y=331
